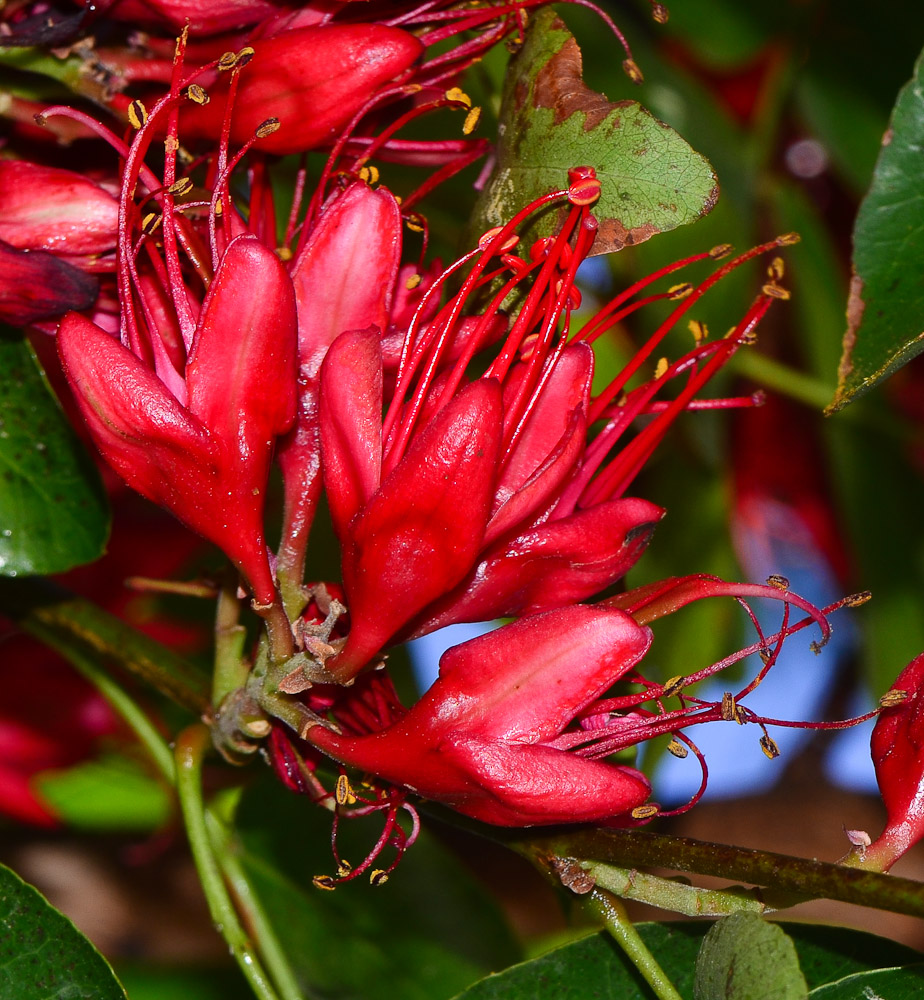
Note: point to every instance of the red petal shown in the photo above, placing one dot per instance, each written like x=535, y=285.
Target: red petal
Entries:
x=241, y=370
x=554, y=564
x=345, y=275
x=528, y=680
x=517, y=785
x=351, y=423
x=422, y=530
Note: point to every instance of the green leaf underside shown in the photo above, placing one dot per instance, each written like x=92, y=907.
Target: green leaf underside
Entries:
x=113, y=793
x=595, y=967
x=744, y=957
x=883, y=984
x=885, y=311
x=551, y=121
x=53, y=511
x=42, y=954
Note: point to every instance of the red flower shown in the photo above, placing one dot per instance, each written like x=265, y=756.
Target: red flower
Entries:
x=475, y=499
x=897, y=746
x=198, y=438
x=482, y=739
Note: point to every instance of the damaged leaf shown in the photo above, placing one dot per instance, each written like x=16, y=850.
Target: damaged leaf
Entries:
x=885, y=311
x=550, y=121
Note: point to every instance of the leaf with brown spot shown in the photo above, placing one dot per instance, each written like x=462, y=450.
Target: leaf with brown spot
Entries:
x=551, y=120
x=885, y=310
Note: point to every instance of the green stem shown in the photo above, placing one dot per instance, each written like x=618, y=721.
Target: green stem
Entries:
x=191, y=746
x=270, y=949
x=800, y=876
x=124, y=704
x=614, y=917
x=54, y=615
x=231, y=669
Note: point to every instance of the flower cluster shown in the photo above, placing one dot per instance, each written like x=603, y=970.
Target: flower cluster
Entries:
x=472, y=465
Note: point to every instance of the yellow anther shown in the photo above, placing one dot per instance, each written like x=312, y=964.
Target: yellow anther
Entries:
x=661, y=368
x=855, y=600
x=182, y=186
x=243, y=57
x=660, y=13
x=267, y=127
x=378, y=877
x=284, y=253
x=778, y=581
x=788, y=239
x=769, y=747
x=412, y=282
x=171, y=144
x=722, y=250
x=680, y=291
x=369, y=174
x=673, y=685
x=729, y=713
x=775, y=291
x=413, y=224
x=471, y=121
x=645, y=812
x=777, y=269
x=630, y=67
x=197, y=94
x=227, y=61
x=344, y=869
x=344, y=793
x=677, y=749
x=137, y=114
x=324, y=882
x=699, y=330
x=458, y=95
x=892, y=698
x=151, y=222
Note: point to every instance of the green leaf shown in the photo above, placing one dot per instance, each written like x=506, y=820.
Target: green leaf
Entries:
x=884, y=984
x=744, y=957
x=594, y=966
x=423, y=935
x=551, y=121
x=114, y=793
x=885, y=311
x=42, y=954
x=53, y=510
